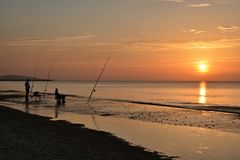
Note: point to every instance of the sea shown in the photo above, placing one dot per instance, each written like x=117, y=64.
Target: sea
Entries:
x=176, y=94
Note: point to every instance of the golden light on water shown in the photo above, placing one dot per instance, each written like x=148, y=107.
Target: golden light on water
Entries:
x=202, y=93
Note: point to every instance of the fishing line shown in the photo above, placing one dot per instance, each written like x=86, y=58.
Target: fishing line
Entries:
x=35, y=74
x=48, y=77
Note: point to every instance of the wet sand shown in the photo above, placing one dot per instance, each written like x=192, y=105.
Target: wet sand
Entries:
x=228, y=122
x=25, y=136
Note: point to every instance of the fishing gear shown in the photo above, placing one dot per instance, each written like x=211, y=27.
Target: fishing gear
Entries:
x=49, y=73
x=35, y=94
x=34, y=74
x=94, y=90
x=95, y=85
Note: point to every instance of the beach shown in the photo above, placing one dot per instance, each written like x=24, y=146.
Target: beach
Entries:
x=218, y=119
x=25, y=136
x=133, y=122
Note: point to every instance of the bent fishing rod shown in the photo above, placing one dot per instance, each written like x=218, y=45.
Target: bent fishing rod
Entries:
x=98, y=79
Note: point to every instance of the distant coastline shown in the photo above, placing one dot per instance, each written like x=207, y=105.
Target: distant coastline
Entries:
x=20, y=78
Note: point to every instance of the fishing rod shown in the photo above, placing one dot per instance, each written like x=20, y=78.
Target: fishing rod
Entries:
x=95, y=85
x=94, y=89
x=49, y=73
x=35, y=73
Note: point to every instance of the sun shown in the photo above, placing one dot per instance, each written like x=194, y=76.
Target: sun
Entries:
x=203, y=68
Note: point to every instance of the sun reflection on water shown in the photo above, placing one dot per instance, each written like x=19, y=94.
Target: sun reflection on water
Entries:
x=202, y=93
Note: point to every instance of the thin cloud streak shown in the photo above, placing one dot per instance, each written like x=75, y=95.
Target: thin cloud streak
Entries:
x=194, y=31
x=70, y=40
x=157, y=45
x=176, y=1
x=199, y=5
x=128, y=45
x=228, y=28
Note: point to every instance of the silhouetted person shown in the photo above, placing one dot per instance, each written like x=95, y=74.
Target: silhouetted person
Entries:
x=59, y=98
x=27, y=88
x=57, y=95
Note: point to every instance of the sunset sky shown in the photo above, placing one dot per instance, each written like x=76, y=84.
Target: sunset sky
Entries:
x=149, y=39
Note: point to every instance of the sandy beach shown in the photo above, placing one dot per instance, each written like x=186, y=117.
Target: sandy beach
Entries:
x=25, y=136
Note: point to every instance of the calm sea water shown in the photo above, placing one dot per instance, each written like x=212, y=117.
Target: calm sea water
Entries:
x=226, y=94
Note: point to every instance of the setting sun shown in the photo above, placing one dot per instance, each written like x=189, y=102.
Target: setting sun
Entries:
x=203, y=68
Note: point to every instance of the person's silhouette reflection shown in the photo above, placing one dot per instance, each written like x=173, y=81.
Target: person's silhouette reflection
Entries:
x=57, y=108
x=26, y=107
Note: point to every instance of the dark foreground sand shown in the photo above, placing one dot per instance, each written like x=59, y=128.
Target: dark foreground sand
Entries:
x=31, y=137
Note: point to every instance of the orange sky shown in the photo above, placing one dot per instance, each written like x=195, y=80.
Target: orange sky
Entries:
x=149, y=39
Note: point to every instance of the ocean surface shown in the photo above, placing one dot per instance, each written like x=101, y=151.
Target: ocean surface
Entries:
x=177, y=94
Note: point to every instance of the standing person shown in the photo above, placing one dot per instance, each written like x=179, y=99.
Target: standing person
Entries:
x=59, y=97
x=27, y=88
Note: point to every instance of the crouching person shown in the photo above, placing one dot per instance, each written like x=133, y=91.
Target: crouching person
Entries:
x=59, y=97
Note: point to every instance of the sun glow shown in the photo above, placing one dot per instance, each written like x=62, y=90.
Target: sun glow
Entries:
x=202, y=67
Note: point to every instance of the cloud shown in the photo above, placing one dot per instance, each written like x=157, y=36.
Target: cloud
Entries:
x=207, y=3
x=143, y=32
x=201, y=5
x=207, y=44
x=157, y=45
x=69, y=40
x=194, y=31
x=125, y=45
x=224, y=2
x=228, y=59
x=228, y=28
x=79, y=37
x=177, y=1
x=107, y=16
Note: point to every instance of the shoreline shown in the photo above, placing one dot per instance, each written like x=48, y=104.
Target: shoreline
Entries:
x=26, y=136
x=208, y=108
x=227, y=122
